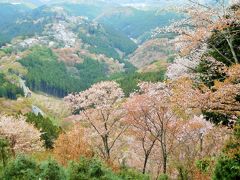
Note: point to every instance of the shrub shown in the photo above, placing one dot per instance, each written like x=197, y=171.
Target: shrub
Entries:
x=228, y=165
x=52, y=170
x=89, y=169
x=4, y=151
x=163, y=177
x=25, y=168
x=130, y=174
x=203, y=164
x=20, y=168
x=227, y=169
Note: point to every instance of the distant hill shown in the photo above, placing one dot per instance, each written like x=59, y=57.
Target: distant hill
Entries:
x=10, y=13
x=113, y=14
x=141, y=4
x=136, y=23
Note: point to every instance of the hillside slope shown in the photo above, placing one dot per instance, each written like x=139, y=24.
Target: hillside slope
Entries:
x=150, y=51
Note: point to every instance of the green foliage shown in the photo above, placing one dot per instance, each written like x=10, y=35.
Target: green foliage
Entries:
x=227, y=169
x=44, y=72
x=183, y=173
x=7, y=50
x=49, y=131
x=23, y=167
x=26, y=168
x=4, y=151
x=207, y=75
x=52, y=170
x=90, y=72
x=219, y=47
x=170, y=59
x=47, y=74
x=129, y=82
x=228, y=165
x=216, y=117
x=9, y=90
x=2, y=53
x=42, y=53
x=204, y=164
x=128, y=67
x=163, y=177
x=20, y=168
x=236, y=132
x=130, y=174
x=90, y=169
x=120, y=41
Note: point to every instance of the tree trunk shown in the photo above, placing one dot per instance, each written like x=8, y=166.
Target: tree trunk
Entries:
x=106, y=147
x=164, y=163
x=201, y=143
x=147, y=154
x=164, y=151
x=12, y=145
x=230, y=41
x=145, y=163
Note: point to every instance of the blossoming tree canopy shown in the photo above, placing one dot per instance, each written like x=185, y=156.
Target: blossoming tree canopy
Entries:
x=100, y=108
x=22, y=136
x=100, y=95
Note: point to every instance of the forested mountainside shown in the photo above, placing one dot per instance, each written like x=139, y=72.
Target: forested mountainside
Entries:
x=81, y=51
x=119, y=90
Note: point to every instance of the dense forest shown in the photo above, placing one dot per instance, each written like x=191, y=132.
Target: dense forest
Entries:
x=47, y=74
x=9, y=90
x=129, y=81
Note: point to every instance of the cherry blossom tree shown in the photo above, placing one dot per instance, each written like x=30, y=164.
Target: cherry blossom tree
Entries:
x=137, y=117
x=196, y=140
x=152, y=119
x=204, y=30
x=201, y=20
x=159, y=129
x=186, y=65
x=100, y=110
x=22, y=137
